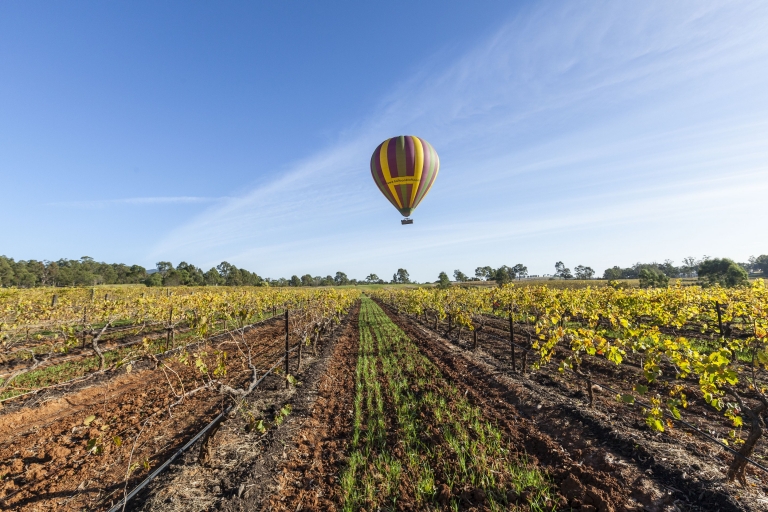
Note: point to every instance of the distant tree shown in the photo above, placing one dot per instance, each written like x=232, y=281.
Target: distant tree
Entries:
x=460, y=276
x=162, y=266
x=722, y=271
x=372, y=278
x=443, y=281
x=583, y=272
x=307, y=280
x=341, y=279
x=561, y=271
x=295, y=281
x=761, y=263
x=520, y=271
x=212, y=277
x=154, y=279
x=6, y=271
x=225, y=270
x=653, y=278
x=401, y=276
x=484, y=273
x=612, y=273
x=503, y=275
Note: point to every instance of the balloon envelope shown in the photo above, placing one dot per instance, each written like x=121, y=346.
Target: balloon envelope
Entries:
x=404, y=168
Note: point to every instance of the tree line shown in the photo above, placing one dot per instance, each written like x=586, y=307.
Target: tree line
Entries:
x=709, y=271
x=88, y=272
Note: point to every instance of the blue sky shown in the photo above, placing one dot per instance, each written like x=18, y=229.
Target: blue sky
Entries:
x=596, y=133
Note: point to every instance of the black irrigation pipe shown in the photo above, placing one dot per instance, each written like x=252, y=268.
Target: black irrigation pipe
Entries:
x=667, y=414
x=122, y=503
x=165, y=354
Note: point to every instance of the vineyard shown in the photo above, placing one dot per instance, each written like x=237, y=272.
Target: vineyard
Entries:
x=508, y=398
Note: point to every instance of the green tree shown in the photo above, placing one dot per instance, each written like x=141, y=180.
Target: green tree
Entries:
x=443, y=281
x=484, y=273
x=7, y=275
x=460, y=276
x=583, y=272
x=307, y=280
x=163, y=266
x=722, y=271
x=295, y=281
x=154, y=279
x=761, y=263
x=341, y=279
x=653, y=278
x=562, y=272
x=612, y=273
x=401, y=276
x=372, y=278
x=503, y=275
x=213, y=278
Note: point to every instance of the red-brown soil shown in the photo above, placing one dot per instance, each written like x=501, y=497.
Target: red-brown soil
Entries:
x=309, y=480
x=46, y=461
x=245, y=464
x=595, y=480
x=689, y=469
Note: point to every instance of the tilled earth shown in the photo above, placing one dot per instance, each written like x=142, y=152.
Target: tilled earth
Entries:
x=591, y=479
x=81, y=450
x=243, y=470
x=285, y=449
x=689, y=470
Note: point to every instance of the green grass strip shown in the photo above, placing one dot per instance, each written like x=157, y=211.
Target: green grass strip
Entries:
x=440, y=436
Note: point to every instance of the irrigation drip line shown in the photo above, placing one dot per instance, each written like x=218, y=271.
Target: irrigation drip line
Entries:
x=122, y=503
x=666, y=414
x=160, y=355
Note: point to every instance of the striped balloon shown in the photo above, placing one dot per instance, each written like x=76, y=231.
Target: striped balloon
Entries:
x=404, y=169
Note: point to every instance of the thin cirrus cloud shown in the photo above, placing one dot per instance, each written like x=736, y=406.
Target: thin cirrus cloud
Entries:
x=582, y=132
x=102, y=203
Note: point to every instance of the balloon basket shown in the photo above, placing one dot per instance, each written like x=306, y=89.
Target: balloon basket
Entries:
x=406, y=221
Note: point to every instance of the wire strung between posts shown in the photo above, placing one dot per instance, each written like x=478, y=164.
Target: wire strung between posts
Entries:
x=122, y=503
x=646, y=404
x=160, y=355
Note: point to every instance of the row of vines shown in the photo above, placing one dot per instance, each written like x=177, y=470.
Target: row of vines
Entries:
x=713, y=339
x=44, y=327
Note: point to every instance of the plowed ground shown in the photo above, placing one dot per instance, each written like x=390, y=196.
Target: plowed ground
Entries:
x=689, y=470
x=82, y=450
x=590, y=478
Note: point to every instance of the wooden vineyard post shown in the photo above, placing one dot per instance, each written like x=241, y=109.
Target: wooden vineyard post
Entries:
x=54, y=300
x=298, y=364
x=85, y=316
x=286, y=349
x=170, y=329
x=512, y=341
x=719, y=319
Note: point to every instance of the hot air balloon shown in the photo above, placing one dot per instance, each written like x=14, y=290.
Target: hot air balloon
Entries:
x=404, y=168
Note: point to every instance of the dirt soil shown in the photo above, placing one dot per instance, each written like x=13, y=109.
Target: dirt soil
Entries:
x=590, y=477
x=81, y=450
x=243, y=470
x=687, y=468
x=309, y=480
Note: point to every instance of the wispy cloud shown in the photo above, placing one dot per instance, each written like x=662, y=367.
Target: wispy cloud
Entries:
x=558, y=133
x=102, y=203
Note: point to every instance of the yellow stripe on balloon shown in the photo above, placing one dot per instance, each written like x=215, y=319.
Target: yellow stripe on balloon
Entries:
x=387, y=174
x=418, y=168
